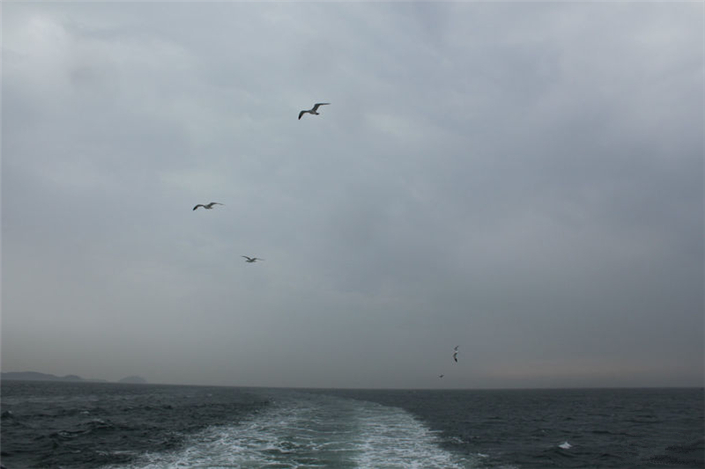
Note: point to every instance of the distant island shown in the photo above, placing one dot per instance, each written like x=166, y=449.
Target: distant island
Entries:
x=36, y=376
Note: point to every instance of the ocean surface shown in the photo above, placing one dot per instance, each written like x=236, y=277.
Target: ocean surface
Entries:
x=106, y=425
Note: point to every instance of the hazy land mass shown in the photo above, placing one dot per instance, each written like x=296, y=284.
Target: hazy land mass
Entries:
x=36, y=376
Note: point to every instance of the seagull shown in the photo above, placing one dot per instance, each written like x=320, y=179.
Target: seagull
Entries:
x=441, y=376
x=252, y=259
x=314, y=110
x=208, y=206
x=455, y=353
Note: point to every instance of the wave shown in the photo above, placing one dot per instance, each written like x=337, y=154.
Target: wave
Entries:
x=690, y=454
x=314, y=431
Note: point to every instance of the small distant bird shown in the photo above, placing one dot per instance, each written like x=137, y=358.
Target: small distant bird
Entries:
x=313, y=110
x=455, y=353
x=208, y=206
x=441, y=376
x=252, y=259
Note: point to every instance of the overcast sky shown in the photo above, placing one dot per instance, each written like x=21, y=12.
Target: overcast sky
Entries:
x=524, y=180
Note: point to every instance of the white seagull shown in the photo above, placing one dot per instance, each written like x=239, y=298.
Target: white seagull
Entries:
x=455, y=353
x=314, y=110
x=208, y=206
x=252, y=259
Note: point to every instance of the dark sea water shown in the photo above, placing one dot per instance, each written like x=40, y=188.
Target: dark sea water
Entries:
x=92, y=425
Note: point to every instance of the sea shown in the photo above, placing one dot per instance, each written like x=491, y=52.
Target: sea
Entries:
x=117, y=426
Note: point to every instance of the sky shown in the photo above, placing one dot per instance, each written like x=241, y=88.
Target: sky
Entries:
x=522, y=180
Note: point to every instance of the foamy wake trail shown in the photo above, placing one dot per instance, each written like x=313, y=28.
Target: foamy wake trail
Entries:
x=314, y=431
x=390, y=437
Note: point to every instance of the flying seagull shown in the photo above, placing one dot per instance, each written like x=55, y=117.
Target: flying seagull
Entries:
x=314, y=110
x=252, y=259
x=208, y=206
x=441, y=376
x=455, y=353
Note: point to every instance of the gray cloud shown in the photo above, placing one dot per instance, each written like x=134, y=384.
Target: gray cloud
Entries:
x=523, y=180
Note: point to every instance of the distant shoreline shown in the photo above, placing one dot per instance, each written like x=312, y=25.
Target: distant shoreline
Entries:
x=45, y=377
x=36, y=376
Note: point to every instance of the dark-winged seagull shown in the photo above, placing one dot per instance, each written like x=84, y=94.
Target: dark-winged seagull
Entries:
x=313, y=110
x=455, y=353
x=252, y=259
x=208, y=206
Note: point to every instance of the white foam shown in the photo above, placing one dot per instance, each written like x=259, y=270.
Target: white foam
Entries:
x=391, y=437
x=565, y=445
x=320, y=431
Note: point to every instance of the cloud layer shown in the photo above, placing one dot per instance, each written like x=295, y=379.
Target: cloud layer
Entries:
x=523, y=180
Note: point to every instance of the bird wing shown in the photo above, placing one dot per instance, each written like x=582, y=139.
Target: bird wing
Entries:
x=248, y=258
x=199, y=205
x=315, y=107
x=302, y=113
